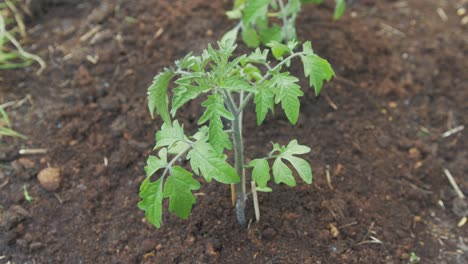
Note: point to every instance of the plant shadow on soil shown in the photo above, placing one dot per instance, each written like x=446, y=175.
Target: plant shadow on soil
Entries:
x=401, y=83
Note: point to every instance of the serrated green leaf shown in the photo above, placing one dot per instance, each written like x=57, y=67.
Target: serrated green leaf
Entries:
x=288, y=93
x=250, y=37
x=307, y=48
x=260, y=172
x=205, y=161
x=340, y=7
x=178, y=188
x=157, y=95
x=186, y=62
x=302, y=167
x=236, y=84
x=151, y=194
x=183, y=94
x=282, y=173
x=317, y=69
x=154, y=164
x=255, y=9
x=292, y=44
x=258, y=56
x=215, y=110
x=252, y=72
x=279, y=49
x=230, y=37
x=170, y=134
x=264, y=101
x=293, y=148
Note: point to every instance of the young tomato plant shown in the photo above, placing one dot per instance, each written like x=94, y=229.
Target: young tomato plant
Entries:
x=263, y=21
x=228, y=84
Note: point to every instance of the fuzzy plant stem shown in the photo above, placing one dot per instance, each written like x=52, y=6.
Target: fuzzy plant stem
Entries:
x=240, y=187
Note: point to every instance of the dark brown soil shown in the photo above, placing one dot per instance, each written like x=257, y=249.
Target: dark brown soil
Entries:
x=401, y=83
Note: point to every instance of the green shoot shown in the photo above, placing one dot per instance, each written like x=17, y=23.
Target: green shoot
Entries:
x=17, y=57
x=227, y=84
x=26, y=194
x=6, y=126
x=264, y=21
x=414, y=258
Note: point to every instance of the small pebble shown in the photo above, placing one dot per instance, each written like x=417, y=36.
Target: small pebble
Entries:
x=50, y=179
x=414, y=153
x=268, y=233
x=35, y=246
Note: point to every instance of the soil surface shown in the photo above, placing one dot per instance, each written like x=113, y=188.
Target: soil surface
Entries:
x=377, y=129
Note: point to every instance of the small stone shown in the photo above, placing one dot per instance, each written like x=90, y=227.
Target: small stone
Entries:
x=35, y=246
x=414, y=153
x=28, y=237
x=210, y=249
x=50, y=179
x=147, y=245
x=269, y=233
x=190, y=240
x=333, y=230
x=101, y=13
x=12, y=217
x=460, y=206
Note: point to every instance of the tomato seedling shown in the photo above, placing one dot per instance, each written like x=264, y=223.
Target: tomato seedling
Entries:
x=228, y=84
x=263, y=21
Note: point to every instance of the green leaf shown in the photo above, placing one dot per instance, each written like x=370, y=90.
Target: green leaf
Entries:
x=215, y=110
x=264, y=101
x=293, y=148
x=265, y=189
x=170, y=134
x=293, y=7
x=307, y=48
x=302, y=167
x=260, y=172
x=183, y=94
x=250, y=37
x=339, y=9
x=288, y=92
x=255, y=9
x=230, y=37
x=279, y=49
x=236, y=84
x=317, y=69
x=252, y=72
x=270, y=34
x=154, y=164
x=179, y=187
x=152, y=195
x=258, y=56
x=282, y=173
x=206, y=161
x=157, y=95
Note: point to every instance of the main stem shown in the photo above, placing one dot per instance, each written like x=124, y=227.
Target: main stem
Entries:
x=241, y=197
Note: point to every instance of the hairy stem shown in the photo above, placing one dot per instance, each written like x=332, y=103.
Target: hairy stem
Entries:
x=240, y=188
x=239, y=166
